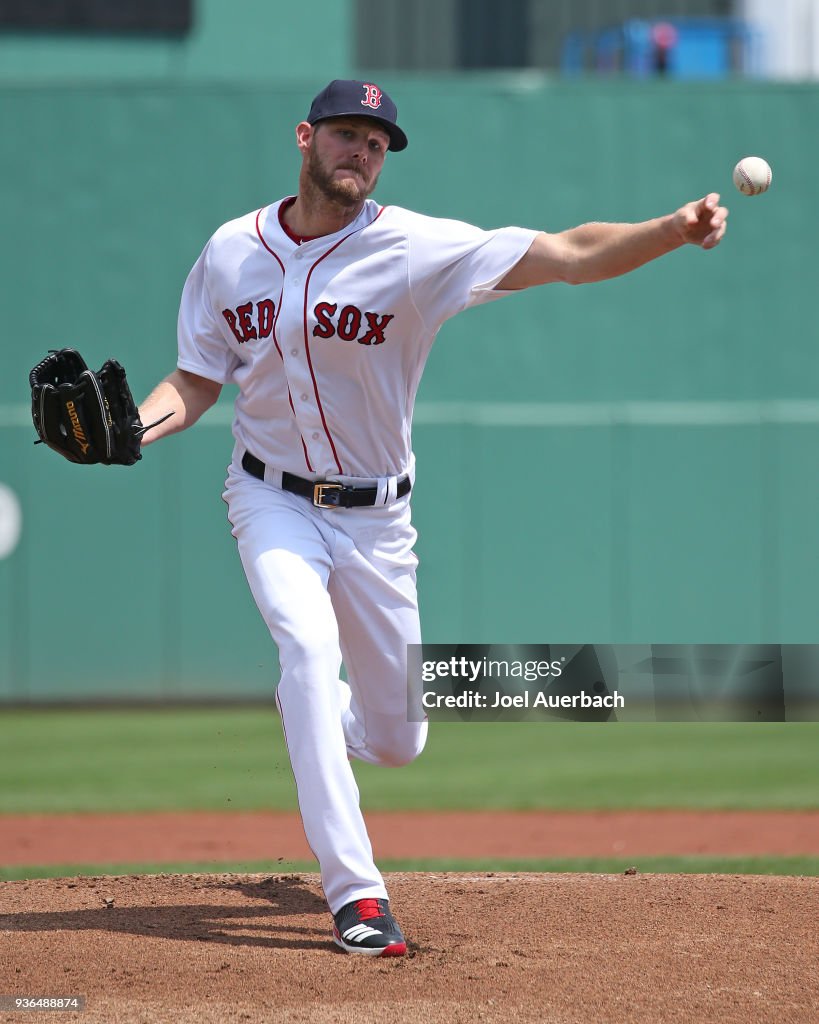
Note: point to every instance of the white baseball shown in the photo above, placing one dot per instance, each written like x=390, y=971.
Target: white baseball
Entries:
x=752, y=175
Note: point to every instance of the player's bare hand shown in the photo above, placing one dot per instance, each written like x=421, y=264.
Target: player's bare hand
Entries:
x=702, y=222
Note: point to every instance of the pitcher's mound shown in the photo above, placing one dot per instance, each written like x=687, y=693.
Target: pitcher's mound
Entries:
x=194, y=949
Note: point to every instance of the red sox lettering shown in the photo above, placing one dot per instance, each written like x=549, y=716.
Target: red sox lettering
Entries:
x=349, y=322
x=243, y=326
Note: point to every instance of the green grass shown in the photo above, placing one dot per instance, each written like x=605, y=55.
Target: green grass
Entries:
x=234, y=759
x=802, y=866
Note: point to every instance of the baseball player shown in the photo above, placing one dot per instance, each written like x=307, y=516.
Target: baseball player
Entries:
x=322, y=308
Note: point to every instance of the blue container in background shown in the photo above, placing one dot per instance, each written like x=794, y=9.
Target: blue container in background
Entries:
x=681, y=48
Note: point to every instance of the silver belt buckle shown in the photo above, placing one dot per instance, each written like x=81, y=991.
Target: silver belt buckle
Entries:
x=319, y=491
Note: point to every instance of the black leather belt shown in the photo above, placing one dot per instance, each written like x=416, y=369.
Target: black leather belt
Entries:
x=324, y=493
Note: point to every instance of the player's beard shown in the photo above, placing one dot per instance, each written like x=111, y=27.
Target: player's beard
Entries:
x=347, y=192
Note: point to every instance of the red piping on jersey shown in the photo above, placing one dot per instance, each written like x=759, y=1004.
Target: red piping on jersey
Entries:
x=276, y=340
x=307, y=340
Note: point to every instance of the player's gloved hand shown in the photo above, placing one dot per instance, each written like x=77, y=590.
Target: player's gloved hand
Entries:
x=87, y=417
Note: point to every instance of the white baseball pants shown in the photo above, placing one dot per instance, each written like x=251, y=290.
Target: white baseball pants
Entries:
x=332, y=585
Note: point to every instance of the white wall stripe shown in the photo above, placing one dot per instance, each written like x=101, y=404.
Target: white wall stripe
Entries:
x=605, y=414
x=555, y=414
x=16, y=416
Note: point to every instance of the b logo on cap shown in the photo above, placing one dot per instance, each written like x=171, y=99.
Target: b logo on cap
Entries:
x=372, y=97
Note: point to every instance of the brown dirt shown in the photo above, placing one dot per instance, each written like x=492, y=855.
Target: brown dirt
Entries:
x=551, y=949
x=239, y=836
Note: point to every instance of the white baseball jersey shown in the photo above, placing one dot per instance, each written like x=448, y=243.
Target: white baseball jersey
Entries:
x=327, y=340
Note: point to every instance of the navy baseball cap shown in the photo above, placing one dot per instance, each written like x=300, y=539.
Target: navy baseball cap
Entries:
x=344, y=97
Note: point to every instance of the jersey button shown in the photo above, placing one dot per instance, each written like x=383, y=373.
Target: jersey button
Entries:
x=304, y=398
x=315, y=437
x=294, y=351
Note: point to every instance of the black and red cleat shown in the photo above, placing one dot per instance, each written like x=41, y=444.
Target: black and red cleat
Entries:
x=367, y=926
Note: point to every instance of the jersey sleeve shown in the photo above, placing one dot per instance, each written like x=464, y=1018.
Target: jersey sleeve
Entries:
x=453, y=265
x=202, y=346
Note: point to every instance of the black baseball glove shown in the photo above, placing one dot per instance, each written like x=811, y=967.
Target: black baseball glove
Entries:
x=87, y=417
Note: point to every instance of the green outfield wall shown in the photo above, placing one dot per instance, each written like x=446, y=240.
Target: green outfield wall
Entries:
x=230, y=40
x=627, y=462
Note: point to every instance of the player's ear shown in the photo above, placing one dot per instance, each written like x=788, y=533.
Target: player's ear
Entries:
x=304, y=135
